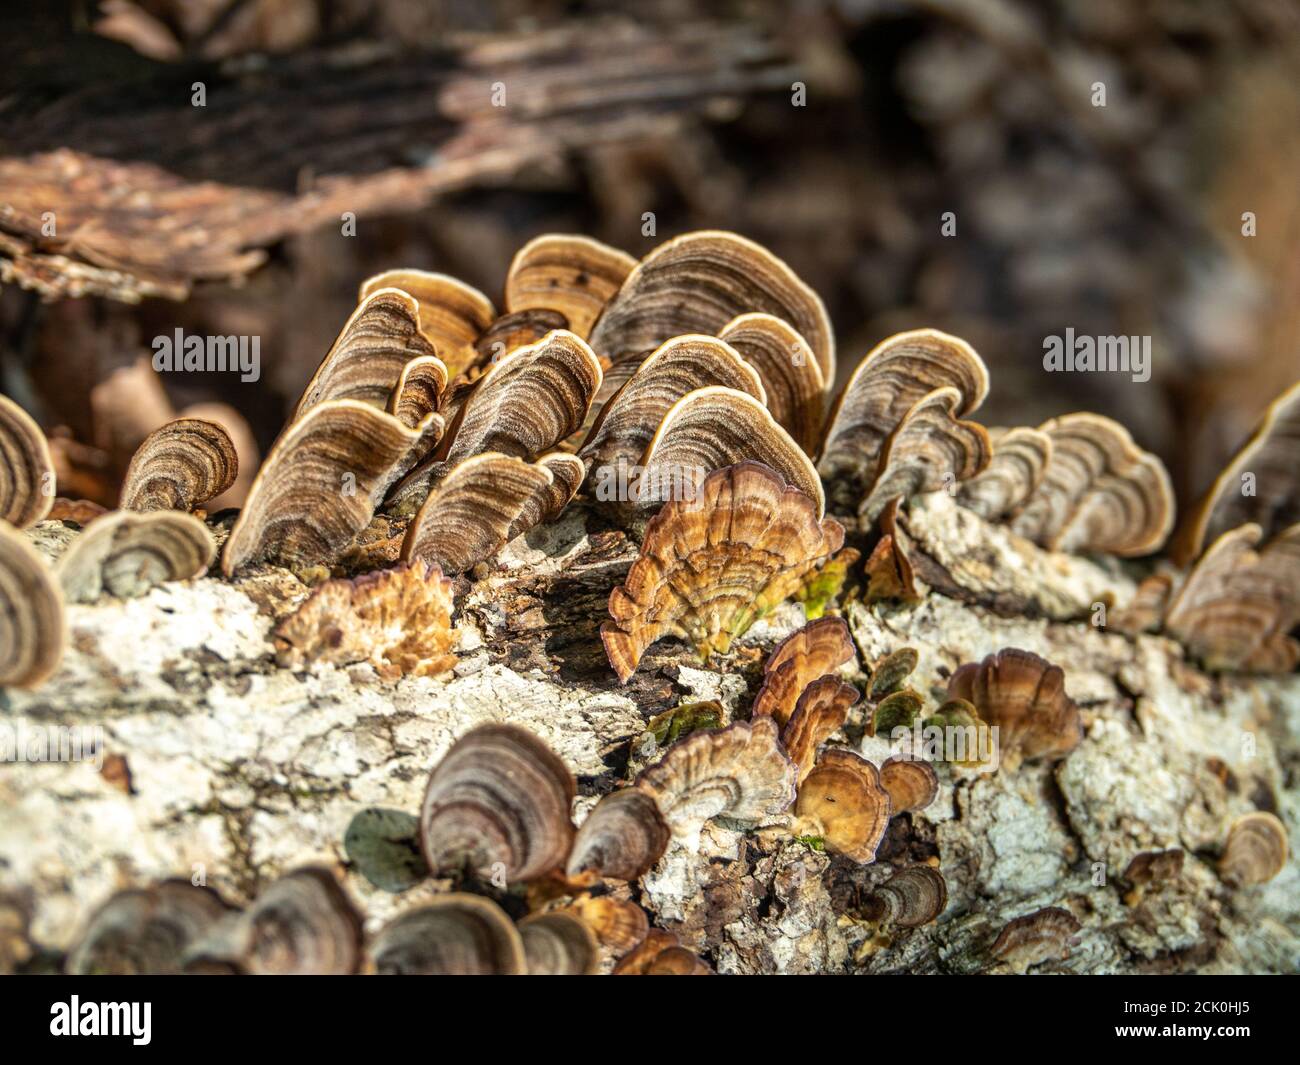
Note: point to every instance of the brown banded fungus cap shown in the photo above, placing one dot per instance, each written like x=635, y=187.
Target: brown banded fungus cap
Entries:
x=1153, y=867
x=889, y=569
x=911, y=898
x=619, y=925
x=33, y=630
x=820, y=712
x=739, y=772
x=26, y=467
x=573, y=275
x=397, y=619
x=912, y=784
x=698, y=283
x=1099, y=492
x=1271, y=459
x=559, y=944
x=715, y=427
x=711, y=565
x=418, y=392
x=452, y=314
x=891, y=378
x=622, y=837
x=1041, y=936
x=484, y=502
x=319, y=486
x=792, y=377
x=930, y=449
x=1145, y=611
x=1256, y=850
x=660, y=953
x=843, y=802
x=1024, y=696
x=1019, y=460
x=302, y=924
x=498, y=802
x=819, y=648
x=453, y=935
x=526, y=403
x=1238, y=606
x=146, y=931
x=366, y=360
x=180, y=467
x=628, y=421
x=517, y=330
x=125, y=553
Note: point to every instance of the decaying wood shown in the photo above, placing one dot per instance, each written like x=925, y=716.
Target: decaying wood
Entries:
x=149, y=193
x=222, y=766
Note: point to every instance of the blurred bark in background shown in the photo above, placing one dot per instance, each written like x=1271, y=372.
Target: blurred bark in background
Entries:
x=1123, y=219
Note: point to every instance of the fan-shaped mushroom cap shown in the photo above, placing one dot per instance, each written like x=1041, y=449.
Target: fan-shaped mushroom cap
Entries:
x=1019, y=460
x=574, y=275
x=1144, y=612
x=1099, y=492
x=484, y=503
x=660, y=953
x=715, y=427
x=912, y=784
x=302, y=924
x=517, y=330
x=888, y=674
x=319, y=486
x=452, y=314
x=1024, y=696
x=618, y=924
x=697, y=283
x=623, y=836
x=627, y=422
x=125, y=553
x=1272, y=454
x=820, y=712
x=33, y=630
x=913, y=897
x=845, y=802
x=500, y=796
x=418, y=391
x=929, y=450
x=26, y=467
x=792, y=377
x=1238, y=605
x=398, y=619
x=819, y=648
x=711, y=565
x=366, y=361
x=1151, y=867
x=529, y=400
x=1044, y=935
x=453, y=935
x=559, y=944
x=739, y=772
x=893, y=376
x=180, y=466
x=1256, y=850
x=146, y=931
x=896, y=710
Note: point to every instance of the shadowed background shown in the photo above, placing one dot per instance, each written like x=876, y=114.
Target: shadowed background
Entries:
x=1117, y=220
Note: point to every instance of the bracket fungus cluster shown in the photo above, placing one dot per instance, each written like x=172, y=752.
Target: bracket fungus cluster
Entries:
x=712, y=565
